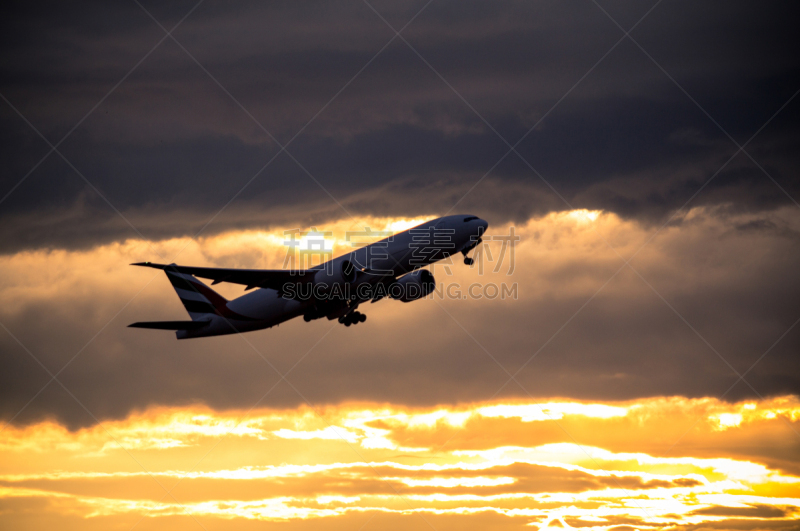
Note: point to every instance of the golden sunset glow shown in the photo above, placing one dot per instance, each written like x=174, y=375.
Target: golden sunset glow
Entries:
x=502, y=463
x=643, y=463
x=547, y=244
x=388, y=266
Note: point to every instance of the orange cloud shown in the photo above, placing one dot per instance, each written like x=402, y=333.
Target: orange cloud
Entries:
x=346, y=461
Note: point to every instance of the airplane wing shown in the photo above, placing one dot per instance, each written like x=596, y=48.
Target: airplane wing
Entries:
x=252, y=278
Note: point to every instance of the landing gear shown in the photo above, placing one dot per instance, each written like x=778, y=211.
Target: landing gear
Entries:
x=467, y=260
x=352, y=318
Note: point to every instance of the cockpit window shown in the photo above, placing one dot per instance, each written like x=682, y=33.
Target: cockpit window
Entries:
x=470, y=218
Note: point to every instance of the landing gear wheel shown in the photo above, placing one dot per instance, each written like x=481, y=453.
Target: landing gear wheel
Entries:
x=352, y=318
x=469, y=261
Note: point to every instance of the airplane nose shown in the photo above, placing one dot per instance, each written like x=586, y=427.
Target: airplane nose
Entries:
x=482, y=226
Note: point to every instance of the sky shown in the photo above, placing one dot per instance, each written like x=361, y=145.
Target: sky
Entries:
x=630, y=361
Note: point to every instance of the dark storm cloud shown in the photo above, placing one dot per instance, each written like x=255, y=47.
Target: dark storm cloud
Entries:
x=169, y=148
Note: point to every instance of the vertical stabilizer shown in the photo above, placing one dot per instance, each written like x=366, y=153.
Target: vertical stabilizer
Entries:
x=198, y=299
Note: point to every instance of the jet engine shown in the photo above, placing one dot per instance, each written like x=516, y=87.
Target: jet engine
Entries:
x=339, y=274
x=413, y=286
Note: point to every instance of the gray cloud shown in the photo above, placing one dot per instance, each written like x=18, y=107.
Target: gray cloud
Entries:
x=169, y=148
x=753, y=511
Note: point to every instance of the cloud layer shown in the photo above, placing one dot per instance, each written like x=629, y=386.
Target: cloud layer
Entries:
x=630, y=363
x=708, y=299
x=399, y=126
x=508, y=465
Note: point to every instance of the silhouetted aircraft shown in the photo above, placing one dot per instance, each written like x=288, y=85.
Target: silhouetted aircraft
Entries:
x=388, y=268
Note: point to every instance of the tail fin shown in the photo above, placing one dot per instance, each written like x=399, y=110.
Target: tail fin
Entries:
x=198, y=299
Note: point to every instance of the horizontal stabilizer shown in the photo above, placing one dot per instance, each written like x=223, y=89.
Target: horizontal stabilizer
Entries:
x=170, y=325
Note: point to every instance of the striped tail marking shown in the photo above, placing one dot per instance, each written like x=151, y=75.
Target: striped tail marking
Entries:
x=198, y=299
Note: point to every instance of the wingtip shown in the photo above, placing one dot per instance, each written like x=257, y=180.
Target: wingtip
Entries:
x=149, y=264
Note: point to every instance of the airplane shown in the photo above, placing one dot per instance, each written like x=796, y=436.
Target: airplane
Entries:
x=391, y=268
